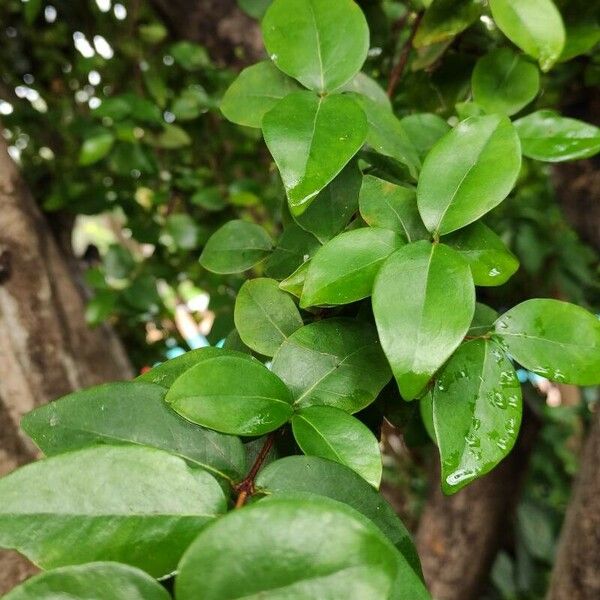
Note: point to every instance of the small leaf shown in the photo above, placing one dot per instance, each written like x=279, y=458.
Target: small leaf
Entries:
x=343, y=270
x=265, y=316
x=311, y=139
x=295, y=282
x=294, y=247
x=335, y=362
x=331, y=433
x=232, y=395
x=365, y=85
x=535, y=26
x=182, y=230
x=424, y=130
x=483, y=320
x=444, y=19
x=320, y=43
x=476, y=412
x=138, y=506
x=554, y=339
x=423, y=301
x=468, y=172
x=547, y=136
x=236, y=247
x=255, y=8
x=190, y=56
x=491, y=262
x=255, y=92
x=95, y=148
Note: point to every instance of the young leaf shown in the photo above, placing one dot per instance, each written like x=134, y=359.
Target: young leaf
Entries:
x=265, y=316
x=99, y=580
x=483, y=320
x=389, y=206
x=236, y=247
x=504, y=82
x=468, y=172
x=255, y=92
x=554, y=339
x=295, y=282
x=534, y=25
x=331, y=433
x=138, y=506
x=131, y=413
x=307, y=547
x=320, y=43
x=424, y=130
x=423, y=301
x=311, y=139
x=445, y=19
x=336, y=362
x=232, y=395
x=295, y=246
x=95, y=148
x=344, y=269
x=547, y=136
x=491, y=262
x=476, y=412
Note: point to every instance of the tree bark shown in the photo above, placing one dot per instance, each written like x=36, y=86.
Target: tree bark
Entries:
x=46, y=348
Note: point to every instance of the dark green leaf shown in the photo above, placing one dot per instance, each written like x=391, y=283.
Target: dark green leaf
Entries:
x=483, y=320
x=294, y=247
x=255, y=8
x=445, y=19
x=424, y=130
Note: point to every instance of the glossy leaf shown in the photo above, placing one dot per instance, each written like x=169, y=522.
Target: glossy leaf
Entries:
x=100, y=581
x=295, y=282
x=504, y=82
x=554, y=339
x=232, y=395
x=331, y=433
x=320, y=43
x=483, y=320
x=534, y=25
x=423, y=301
x=139, y=506
x=131, y=413
x=477, y=411
x=445, y=19
x=311, y=139
x=294, y=247
x=235, y=247
x=255, y=92
x=335, y=362
x=424, y=130
x=365, y=85
x=344, y=269
x=265, y=316
x=491, y=262
x=468, y=172
x=95, y=148
x=547, y=136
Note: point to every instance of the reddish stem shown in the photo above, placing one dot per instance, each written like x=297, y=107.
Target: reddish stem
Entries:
x=246, y=487
x=397, y=71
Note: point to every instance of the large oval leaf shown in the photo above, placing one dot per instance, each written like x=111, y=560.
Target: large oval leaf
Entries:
x=131, y=413
x=311, y=139
x=476, y=412
x=554, y=339
x=129, y=504
x=232, y=395
x=468, y=172
x=337, y=362
x=423, y=301
x=100, y=581
x=343, y=270
x=308, y=547
x=320, y=43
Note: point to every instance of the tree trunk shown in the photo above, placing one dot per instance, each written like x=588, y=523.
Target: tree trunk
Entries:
x=46, y=349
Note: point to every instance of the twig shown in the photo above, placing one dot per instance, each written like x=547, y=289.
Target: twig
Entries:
x=398, y=69
x=246, y=487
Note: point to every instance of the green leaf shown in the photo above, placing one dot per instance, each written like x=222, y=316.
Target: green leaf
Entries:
x=236, y=247
x=295, y=282
x=336, y=362
x=468, y=172
x=190, y=56
x=255, y=8
x=554, y=339
x=477, y=411
x=171, y=137
x=547, y=136
x=320, y=43
x=182, y=230
x=423, y=301
x=265, y=316
x=307, y=547
x=139, y=506
x=491, y=262
x=311, y=139
x=365, y=85
x=444, y=19
x=294, y=247
x=100, y=581
x=483, y=320
x=534, y=25
x=424, y=130
x=95, y=148
x=232, y=395
x=384, y=204
x=334, y=206
x=255, y=92
x=343, y=270
x=331, y=433
x=504, y=82
x=131, y=413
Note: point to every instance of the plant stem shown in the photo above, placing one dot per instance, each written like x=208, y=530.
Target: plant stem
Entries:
x=398, y=69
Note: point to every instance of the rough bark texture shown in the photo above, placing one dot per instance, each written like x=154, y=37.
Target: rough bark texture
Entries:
x=46, y=349
x=459, y=535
